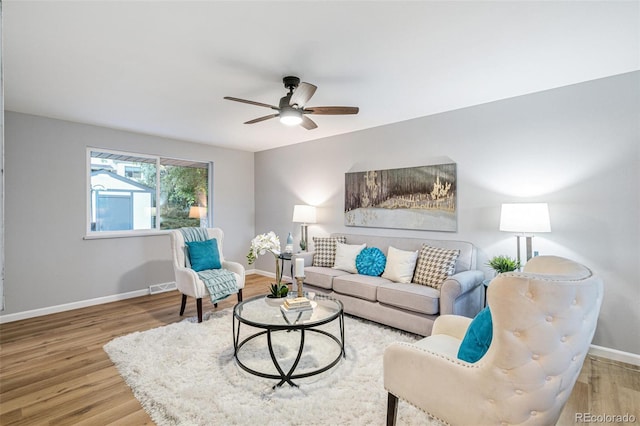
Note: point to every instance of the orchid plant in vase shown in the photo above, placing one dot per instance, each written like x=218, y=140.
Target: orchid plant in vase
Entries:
x=262, y=244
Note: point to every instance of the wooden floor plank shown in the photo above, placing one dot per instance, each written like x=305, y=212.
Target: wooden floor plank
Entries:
x=54, y=371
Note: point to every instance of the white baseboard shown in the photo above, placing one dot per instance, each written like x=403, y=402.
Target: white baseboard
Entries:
x=70, y=306
x=286, y=278
x=615, y=355
x=263, y=273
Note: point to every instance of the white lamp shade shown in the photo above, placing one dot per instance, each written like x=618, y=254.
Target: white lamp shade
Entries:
x=304, y=214
x=196, y=212
x=525, y=217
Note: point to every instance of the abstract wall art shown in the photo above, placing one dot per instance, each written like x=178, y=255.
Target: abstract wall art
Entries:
x=421, y=198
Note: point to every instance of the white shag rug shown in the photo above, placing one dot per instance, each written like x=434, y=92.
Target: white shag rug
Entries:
x=185, y=374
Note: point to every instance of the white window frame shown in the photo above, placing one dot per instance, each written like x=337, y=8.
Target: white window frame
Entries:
x=89, y=234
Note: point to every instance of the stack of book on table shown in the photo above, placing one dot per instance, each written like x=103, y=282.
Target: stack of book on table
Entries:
x=296, y=305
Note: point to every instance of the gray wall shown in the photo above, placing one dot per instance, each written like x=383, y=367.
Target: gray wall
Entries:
x=575, y=147
x=48, y=262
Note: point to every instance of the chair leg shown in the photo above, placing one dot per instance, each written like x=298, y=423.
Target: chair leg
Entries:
x=199, y=307
x=239, y=295
x=183, y=305
x=392, y=409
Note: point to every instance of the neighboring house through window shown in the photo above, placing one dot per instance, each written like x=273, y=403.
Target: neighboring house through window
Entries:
x=138, y=192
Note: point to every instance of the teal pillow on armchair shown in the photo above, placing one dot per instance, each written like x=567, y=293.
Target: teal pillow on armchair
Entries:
x=478, y=337
x=204, y=255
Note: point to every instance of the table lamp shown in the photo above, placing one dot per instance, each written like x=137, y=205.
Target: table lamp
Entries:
x=304, y=214
x=524, y=219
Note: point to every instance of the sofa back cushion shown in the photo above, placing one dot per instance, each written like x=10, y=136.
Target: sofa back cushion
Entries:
x=466, y=260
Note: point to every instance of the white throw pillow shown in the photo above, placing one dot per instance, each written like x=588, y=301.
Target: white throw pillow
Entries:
x=346, y=256
x=400, y=265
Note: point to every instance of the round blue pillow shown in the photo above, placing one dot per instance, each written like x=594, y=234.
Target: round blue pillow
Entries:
x=371, y=261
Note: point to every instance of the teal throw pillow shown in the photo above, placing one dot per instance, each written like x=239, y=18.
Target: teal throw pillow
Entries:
x=204, y=255
x=478, y=337
x=371, y=261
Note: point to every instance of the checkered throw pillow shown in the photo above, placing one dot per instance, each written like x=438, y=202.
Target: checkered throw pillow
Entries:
x=434, y=265
x=325, y=250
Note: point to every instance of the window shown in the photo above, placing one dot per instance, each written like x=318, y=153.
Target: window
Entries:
x=137, y=192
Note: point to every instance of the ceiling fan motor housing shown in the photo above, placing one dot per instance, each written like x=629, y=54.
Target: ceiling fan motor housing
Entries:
x=284, y=102
x=291, y=82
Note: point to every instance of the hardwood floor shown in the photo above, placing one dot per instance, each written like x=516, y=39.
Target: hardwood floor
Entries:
x=53, y=370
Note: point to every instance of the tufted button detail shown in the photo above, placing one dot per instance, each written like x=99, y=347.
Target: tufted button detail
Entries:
x=491, y=401
x=505, y=371
x=563, y=339
x=535, y=356
x=533, y=413
x=518, y=392
x=504, y=424
x=548, y=378
x=573, y=358
x=549, y=318
x=574, y=302
x=516, y=333
x=529, y=295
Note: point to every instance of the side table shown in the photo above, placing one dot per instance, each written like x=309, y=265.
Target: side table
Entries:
x=485, y=283
x=285, y=256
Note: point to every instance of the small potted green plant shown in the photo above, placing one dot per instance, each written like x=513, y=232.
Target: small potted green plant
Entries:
x=503, y=263
x=278, y=291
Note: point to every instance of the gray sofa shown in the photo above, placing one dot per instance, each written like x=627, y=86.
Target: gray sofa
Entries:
x=410, y=307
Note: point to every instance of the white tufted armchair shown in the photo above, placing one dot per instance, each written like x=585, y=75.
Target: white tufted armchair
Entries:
x=543, y=321
x=187, y=280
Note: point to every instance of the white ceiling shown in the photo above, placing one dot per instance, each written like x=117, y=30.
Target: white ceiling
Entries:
x=163, y=68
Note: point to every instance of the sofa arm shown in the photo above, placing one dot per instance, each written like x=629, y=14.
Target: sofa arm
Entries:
x=456, y=286
x=307, y=256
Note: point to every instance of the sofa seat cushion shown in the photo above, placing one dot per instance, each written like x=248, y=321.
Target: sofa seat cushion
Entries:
x=360, y=286
x=412, y=297
x=321, y=277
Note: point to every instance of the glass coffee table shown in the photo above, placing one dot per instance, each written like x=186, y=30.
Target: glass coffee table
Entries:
x=264, y=317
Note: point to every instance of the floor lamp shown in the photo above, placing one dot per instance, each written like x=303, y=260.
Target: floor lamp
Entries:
x=524, y=219
x=304, y=214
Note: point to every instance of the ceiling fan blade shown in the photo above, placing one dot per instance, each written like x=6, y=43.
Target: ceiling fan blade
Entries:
x=250, y=102
x=302, y=94
x=308, y=123
x=259, y=119
x=331, y=110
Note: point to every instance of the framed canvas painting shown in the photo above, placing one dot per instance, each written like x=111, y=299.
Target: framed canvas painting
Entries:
x=421, y=198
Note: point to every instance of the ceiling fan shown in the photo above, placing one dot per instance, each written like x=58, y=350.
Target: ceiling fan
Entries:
x=292, y=108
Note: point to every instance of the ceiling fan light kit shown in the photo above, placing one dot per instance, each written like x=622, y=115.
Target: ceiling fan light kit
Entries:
x=291, y=108
x=290, y=117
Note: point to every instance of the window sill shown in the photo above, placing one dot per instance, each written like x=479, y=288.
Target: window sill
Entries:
x=124, y=234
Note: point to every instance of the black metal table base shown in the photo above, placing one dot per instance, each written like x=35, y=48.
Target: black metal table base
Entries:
x=288, y=376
